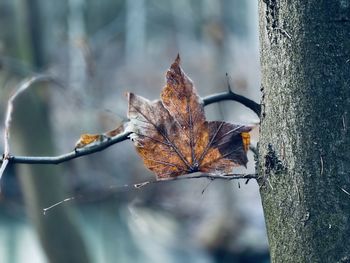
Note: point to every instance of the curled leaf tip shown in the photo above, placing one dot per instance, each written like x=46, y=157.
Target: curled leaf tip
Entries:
x=177, y=60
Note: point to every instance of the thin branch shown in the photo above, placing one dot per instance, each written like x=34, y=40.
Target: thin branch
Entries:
x=228, y=83
x=71, y=155
x=229, y=95
x=228, y=177
x=57, y=204
x=21, y=88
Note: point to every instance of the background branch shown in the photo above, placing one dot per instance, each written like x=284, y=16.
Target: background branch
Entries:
x=25, y=84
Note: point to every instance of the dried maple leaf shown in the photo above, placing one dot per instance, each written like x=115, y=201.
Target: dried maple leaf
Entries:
x=174, y=138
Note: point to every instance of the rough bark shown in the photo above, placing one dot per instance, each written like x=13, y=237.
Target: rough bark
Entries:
x=305, y=142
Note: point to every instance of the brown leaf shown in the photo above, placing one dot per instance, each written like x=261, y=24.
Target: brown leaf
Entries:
x=86, y=139
x=174, y=138
x=89, y=139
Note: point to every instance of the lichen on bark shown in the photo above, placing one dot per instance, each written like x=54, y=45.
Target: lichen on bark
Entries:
x=305, y=129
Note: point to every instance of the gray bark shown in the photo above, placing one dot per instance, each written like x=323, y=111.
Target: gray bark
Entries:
x=304, y=144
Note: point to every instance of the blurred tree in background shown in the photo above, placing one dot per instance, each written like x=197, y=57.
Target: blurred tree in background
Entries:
x=99, y=50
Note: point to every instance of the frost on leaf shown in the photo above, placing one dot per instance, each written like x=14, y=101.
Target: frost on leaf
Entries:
x=173, y=137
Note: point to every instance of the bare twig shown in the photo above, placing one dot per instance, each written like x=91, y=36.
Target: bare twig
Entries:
x=207, y=186
x=58, y=203
x=228, y=83
x=197, y=176
x=71, y=155
x=229, y=95
x=228, y=177
x=21, y=88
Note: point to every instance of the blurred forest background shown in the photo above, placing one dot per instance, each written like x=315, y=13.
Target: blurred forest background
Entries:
x=98, y=50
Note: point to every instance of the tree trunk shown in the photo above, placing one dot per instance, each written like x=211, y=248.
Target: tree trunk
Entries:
x=304, y=144
x=42, y=186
